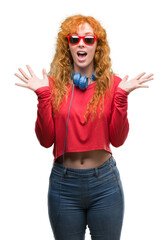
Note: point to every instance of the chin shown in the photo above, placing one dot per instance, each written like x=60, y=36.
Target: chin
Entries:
x=83, y=65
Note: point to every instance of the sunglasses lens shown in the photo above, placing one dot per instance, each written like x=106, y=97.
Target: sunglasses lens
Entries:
x=89, y=40
x=74, y=39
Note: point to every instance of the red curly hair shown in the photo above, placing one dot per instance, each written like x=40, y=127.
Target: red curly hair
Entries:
x=61, y=65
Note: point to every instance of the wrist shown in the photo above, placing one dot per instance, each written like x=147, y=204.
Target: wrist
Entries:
x=122, y=90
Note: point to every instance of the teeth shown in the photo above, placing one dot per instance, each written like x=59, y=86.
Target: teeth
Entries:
x=81, y=52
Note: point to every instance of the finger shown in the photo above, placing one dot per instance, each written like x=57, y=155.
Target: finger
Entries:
x=21, y=85
x=125, y=78
x=145, y=80
x=140, y=75
x=24, y=80
x=44, y=73
x=30, y=70
x=143, y=86
x=23, y=73
x=149, y=75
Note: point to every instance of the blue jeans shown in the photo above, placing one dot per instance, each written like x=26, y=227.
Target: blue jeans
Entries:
x=81, y=197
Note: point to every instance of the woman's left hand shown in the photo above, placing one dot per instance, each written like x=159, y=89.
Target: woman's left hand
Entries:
x=134, y=83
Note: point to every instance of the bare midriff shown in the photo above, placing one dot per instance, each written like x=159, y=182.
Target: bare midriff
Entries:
x=84, y=160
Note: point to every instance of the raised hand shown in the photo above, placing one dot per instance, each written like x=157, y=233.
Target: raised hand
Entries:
x=134, y=83
x=32, y=82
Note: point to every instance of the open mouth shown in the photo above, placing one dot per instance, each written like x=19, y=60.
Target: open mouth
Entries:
x=81, y=54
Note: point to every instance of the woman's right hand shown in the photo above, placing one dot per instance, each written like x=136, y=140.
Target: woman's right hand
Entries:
x=32, y=82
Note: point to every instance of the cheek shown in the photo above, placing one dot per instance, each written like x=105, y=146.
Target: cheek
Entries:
x=92, y=52
x=72, y=51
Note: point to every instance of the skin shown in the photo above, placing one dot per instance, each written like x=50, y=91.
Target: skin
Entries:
x=86, y=68
x=87, y=159
x=32, y=82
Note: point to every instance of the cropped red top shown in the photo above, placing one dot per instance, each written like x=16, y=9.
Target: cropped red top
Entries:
x=112, y=127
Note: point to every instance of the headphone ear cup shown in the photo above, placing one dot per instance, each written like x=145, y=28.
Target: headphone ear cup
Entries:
x=72, y=75
x=76, y=79
x=93, y=76
x=83, y=84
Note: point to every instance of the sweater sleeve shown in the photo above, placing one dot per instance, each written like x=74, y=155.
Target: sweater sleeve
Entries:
x=119, y=125
x=44, y=126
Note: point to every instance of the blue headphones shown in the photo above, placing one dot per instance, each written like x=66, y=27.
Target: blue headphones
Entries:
x=81, y=81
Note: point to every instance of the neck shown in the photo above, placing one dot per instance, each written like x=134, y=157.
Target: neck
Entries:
x=85, y=71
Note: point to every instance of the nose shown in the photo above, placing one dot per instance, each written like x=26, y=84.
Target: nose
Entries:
x=81, y=42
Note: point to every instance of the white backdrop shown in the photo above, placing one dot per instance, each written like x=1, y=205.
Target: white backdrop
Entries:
x=137, y=35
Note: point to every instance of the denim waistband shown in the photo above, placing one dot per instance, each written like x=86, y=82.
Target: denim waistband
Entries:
x=86, y=172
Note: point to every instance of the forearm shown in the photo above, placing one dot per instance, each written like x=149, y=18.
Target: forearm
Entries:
x=44, y=126
x=119, y=125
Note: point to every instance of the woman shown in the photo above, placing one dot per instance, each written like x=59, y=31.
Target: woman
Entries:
x=85, y=187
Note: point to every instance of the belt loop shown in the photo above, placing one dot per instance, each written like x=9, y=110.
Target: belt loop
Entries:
x=110, y=159
x=65, y=170
x=96, y=170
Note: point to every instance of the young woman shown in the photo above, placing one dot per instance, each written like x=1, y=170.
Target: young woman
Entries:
x=82, y=109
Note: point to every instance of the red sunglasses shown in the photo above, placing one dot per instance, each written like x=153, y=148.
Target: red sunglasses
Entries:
x=88, y=39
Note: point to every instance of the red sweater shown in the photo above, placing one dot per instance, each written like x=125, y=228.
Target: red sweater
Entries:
x=112, y=127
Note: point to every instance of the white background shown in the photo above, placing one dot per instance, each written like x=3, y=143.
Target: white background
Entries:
x=137, y=35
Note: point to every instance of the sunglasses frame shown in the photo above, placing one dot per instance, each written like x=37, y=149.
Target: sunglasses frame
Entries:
x=83, y=38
